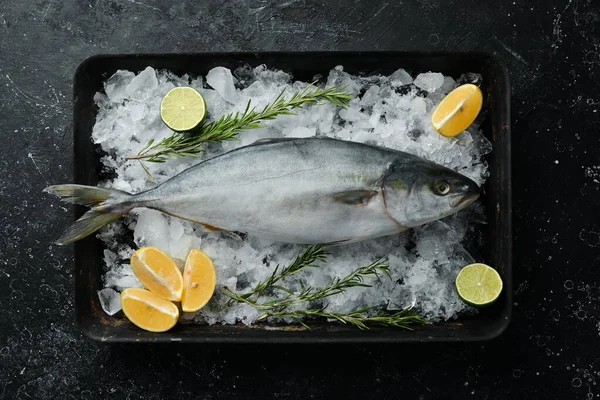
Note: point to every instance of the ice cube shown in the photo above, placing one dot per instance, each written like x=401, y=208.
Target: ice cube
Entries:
x=303, y=132
x=221, y=79
x=448, y=85
x=110, y=301
x=152, y=229
x=273, y=78
x=337, y=76
x=418, y=106
x=470, y=77
x=137, y=112
x=370, y=96
x=197, y=83
x=244, y=75
x=253, y=135
x=429, y=81
x=121, y=277
x=143, y=85
x=374, y=119
x=483, y=144
x=400, y=78
x=115, y=87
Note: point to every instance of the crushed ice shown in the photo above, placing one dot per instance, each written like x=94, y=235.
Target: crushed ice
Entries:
x=393, y=111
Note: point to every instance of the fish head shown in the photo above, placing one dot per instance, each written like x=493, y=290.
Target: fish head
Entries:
x=419, y=191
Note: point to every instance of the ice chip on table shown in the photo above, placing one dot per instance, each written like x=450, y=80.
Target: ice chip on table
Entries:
x=429, y=81
x=143, y=85
x=400, y=78
x=110, y=300
x=115, y=87
x=220, y=79
x=379, y=113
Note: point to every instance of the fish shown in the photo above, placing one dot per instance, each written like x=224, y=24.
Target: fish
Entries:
x=295, y=190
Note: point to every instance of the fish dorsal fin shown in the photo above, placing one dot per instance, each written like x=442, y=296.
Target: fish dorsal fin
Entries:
x=274, y=140
x=355, y=197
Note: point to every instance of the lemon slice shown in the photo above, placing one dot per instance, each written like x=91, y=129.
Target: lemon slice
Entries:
x=149, y=311
x=457, y=111
x=158, y=272
x=199, y=280
x=183, y=109
x=478, y=285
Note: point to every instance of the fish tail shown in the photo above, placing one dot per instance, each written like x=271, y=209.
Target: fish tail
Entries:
x=107, y=205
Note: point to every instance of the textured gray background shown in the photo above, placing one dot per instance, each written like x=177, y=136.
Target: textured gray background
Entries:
x=549, y=351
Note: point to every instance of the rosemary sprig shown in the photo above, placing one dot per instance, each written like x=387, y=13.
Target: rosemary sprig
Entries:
x=285, y=306
x=359, y=318
x=189, y=144
x=308, y=294
x=306, y=258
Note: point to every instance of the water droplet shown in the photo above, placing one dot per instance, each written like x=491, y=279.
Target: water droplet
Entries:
x=568, y=284
x=26, y=334
x=517, y=373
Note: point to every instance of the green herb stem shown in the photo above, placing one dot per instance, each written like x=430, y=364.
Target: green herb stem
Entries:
x=190, y=144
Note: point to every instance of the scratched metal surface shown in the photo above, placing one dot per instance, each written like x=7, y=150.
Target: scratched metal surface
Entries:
x=549, y=351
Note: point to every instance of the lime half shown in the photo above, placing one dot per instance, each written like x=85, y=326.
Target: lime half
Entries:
x=478, y=285
x=183, y=109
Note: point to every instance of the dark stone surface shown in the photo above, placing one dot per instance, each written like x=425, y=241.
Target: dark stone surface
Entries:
x=549, y=351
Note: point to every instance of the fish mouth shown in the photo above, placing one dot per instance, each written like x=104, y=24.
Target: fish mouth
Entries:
x=464, y=200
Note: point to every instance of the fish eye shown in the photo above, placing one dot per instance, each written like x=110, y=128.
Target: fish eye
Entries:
x=443, y=188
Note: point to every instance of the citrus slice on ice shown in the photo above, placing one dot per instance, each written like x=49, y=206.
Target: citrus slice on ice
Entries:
x=158, y=272
x=457, y=111
x=149, y=311
x=199, y=280
x=183, y=109
x=478, y=285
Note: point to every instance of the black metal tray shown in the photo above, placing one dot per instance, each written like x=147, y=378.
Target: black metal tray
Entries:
x=497, y=234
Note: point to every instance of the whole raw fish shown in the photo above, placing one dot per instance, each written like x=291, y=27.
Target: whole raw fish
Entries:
x=310, y=190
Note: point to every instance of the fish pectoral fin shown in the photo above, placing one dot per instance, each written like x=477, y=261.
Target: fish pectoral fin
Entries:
x=211, y=228
x=355, y=197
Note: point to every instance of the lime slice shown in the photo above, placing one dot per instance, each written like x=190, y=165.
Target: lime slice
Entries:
x=457, y=111
x=478, y=285
x=183, y=109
